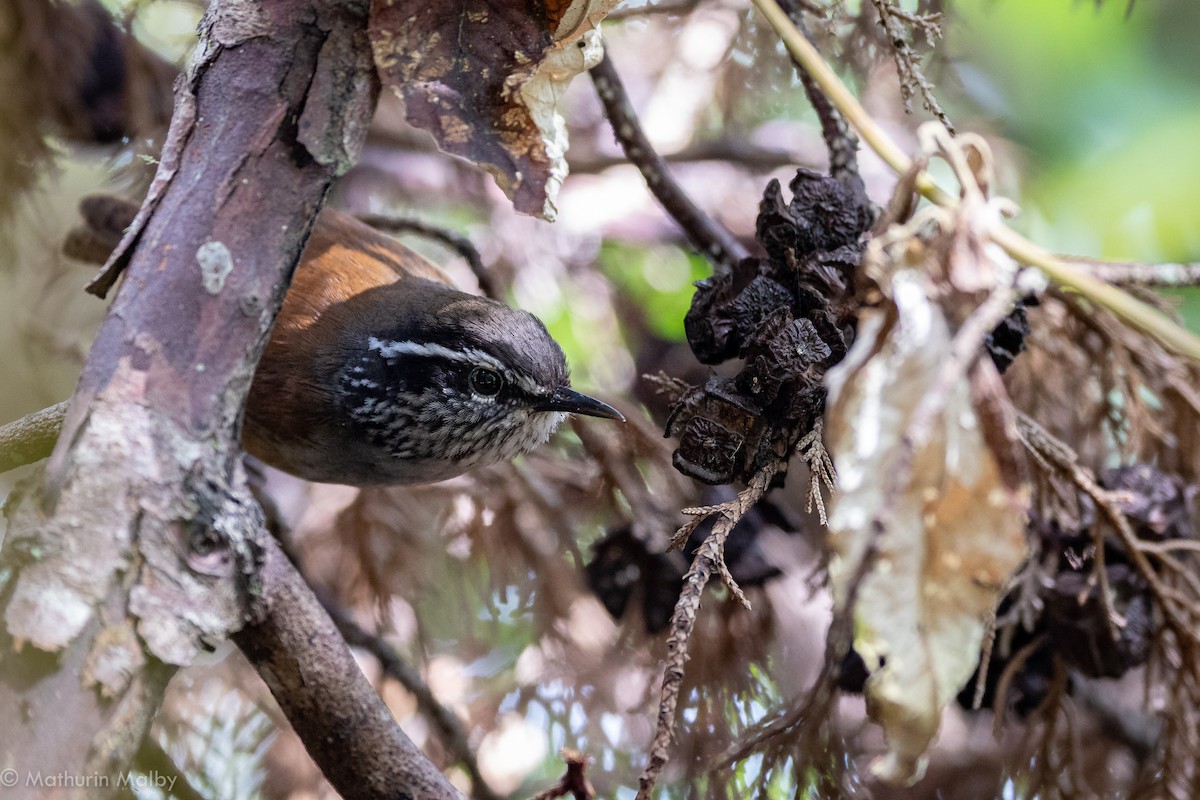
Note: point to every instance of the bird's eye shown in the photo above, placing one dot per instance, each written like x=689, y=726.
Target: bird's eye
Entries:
x=484, y=381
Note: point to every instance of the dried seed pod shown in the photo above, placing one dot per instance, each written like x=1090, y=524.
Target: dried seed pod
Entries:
x=788, y=318
x=1156, y=503
x=1007, y=341
x=721, y=317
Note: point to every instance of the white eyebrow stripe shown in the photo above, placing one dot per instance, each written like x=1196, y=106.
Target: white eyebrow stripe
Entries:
x=392, y=349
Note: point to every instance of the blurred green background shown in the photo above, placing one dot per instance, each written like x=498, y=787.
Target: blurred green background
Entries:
x=1104, y=103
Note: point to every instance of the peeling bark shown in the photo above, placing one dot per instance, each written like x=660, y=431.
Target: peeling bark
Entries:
x=138, y=544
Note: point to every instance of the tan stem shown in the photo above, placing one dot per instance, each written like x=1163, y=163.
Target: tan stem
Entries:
x=31, y=438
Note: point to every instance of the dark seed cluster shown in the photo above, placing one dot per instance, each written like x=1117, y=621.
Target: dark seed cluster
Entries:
x=1074, y=626
x=788, y=316
x=1007, y=341
x=1071, y=628
x=625, y=569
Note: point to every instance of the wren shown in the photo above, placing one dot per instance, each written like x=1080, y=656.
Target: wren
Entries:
x=380, y=371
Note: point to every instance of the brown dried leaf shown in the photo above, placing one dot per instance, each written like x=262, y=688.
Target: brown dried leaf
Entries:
x=483, y=78
x=941, y=531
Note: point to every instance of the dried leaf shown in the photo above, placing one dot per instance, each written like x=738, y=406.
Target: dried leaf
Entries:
x=484, y=78
x=939, y=529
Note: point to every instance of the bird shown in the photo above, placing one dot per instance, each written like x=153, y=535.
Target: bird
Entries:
x=379, y=371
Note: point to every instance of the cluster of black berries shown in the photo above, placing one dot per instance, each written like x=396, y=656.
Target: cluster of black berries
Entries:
x=788, y=317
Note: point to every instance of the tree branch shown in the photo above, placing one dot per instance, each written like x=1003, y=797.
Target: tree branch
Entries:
x=450, y=729
x=138, y=544
x=706, y=235
x=31, y=438
x=349, y=732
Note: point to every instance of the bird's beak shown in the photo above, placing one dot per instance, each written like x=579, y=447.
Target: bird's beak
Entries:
x=572, y=402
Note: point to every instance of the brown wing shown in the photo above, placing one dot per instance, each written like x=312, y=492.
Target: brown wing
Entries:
x=343, y=258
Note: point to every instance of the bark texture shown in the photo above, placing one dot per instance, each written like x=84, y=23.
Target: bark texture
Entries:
x=139, y=545
x=335, y=711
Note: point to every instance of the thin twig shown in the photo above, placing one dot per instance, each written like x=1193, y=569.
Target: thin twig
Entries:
x=450, y=729
x=839, y=139
x=1165, y=547
x=679, y=7
x=683, y=620
x=1129, y=273
x=706, y=234
x=907, y=69
x=737, y=151
x=816, y=706
x=708, y=559
x=616, y=457
x=1113, y=619
x=985, y=663
x=1007, y=675
x=1067, y=275
x=455, y=241
x=30, y=438
x=1048, y=769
